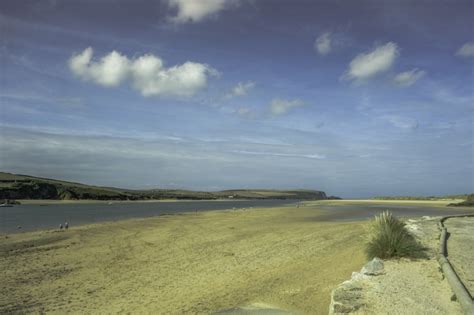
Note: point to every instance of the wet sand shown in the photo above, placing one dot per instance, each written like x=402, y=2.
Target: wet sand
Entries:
x=194, y=263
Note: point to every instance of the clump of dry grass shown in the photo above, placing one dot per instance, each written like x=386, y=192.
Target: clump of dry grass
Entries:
x=388, y=237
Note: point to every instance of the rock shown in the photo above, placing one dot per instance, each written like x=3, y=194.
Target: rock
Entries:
x=346, y=298
x=358, y=276
x=373, y=268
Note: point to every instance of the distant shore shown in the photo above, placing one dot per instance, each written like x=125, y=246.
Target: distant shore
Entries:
x=93, y=201
x=437, y=203
x=328, y=201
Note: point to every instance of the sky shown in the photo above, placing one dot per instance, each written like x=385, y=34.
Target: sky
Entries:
x=355, y=98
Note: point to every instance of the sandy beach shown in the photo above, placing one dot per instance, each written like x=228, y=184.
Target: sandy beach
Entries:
x=195, y=263
x=287, y=257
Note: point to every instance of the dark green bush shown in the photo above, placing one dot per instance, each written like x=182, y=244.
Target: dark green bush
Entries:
x=388, y=237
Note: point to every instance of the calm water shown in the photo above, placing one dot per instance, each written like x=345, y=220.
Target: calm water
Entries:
x=36, y=217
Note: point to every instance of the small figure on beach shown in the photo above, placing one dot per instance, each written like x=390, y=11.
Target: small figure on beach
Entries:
x=61, y=226
x=66, y=225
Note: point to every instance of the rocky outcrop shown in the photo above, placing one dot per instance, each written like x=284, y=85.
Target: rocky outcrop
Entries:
x=30, y=191
x=348, y=297
x=400, y=286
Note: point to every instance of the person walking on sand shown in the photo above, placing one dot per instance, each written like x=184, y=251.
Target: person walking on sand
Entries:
x=66, y=225
x=61, y=226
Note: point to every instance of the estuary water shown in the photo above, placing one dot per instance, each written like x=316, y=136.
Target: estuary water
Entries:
x=48, y=216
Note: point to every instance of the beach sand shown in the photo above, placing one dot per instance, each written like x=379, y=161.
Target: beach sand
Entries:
x=193, y=263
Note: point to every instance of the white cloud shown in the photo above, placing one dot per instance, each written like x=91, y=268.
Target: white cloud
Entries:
x=111, y=70
x=467, y=50
x=323, y=44
x=409, y=77
x=367, y=65
x=197, y=10
x=241, y=89
x=281, y=106
x=146, y=73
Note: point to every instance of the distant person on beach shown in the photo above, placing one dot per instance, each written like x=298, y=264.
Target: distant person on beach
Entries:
x=66, y=225
x=61, y=226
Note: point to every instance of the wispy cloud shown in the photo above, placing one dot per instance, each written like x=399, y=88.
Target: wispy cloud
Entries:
x=448, y=96
x=194, y=11
x=290, y=155
x=146, y=73
x=322, y=44
x=280, y=106
x=408, y=78
x=400, y=122
x=466, y=50
x=241, y=89
x=367, y=65
x=72, y=102
x=246, y=112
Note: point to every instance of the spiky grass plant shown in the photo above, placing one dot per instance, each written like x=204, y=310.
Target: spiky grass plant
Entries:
x=388, y=237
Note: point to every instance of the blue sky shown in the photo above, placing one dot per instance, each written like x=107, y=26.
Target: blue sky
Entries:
x=358, y=98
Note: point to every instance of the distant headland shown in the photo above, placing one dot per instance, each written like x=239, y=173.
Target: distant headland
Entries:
x=17, y=186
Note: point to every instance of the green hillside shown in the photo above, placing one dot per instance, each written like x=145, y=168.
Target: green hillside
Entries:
x=16, y=186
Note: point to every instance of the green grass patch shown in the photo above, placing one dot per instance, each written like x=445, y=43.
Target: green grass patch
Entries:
x=389, y=238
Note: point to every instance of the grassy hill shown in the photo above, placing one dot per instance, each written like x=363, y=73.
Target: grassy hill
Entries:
x=17, y=186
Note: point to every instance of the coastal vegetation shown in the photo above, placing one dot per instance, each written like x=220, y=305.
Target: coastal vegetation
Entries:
x=469, y=202
x=14, y=186
x=446, y=197
x=389, y=238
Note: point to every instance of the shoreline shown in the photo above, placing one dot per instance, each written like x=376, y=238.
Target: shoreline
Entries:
x=93, y=201
x=34, y=216
x=443, y=202
x=436, y=203
x=83, y=214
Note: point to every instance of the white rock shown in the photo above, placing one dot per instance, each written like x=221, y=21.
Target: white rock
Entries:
x=373, y=268
x=358, y=276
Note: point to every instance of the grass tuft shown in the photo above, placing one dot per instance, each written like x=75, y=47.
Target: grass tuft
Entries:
x=388, y=237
